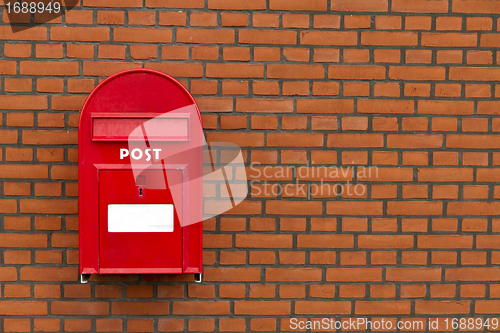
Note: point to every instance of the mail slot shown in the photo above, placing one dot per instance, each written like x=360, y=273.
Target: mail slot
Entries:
x=125, y=127
x=140, y=185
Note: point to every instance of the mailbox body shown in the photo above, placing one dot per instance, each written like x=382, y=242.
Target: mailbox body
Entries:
x=140, y=196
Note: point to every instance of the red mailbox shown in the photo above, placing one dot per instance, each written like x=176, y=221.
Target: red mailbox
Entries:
x=140, y=186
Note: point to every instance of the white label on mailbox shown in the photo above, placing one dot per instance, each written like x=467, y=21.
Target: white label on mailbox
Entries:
x=140, y=218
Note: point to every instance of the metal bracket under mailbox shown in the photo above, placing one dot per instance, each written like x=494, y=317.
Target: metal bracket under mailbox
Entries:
x=84, y=278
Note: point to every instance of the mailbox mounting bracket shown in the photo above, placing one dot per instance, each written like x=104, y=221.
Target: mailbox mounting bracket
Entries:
x=84, y=278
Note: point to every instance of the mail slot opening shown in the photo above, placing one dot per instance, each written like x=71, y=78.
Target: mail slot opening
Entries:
x=117, y=127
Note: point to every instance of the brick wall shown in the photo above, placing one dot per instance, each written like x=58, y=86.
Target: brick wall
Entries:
x=304, y=87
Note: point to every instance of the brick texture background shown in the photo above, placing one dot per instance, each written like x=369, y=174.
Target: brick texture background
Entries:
x=410, y=87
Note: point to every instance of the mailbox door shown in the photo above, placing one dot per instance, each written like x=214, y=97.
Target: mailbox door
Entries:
x=140, y=230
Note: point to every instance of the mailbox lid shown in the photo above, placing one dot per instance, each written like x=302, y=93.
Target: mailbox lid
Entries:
x=128, y=247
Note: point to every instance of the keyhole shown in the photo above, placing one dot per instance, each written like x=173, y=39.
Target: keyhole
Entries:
x=140, y=192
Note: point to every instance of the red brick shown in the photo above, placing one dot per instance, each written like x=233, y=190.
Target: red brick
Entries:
x=295, y=71
x=353, y=274
x=49, y=257
x=445, y=242
x=16, y=325
x=474, y=73
x=447, y=23
x=387, y=89
x=203, y=308
x=442, y=307
x=418, y=56
x=414, y=141
x=416, y=73
x=79, y=308
x=383, y=38
x=49, y=51
x=233, y=19
x=325, y=88
x=322, y=307
x=267, y=37
x=38, y=33
x=16, y=257
x=448, y=39
x=235, y=70
x=383, y=291
x=449, y=56
x=205, y=36
x=471, y=141
x=385, y=241
x=385, y=106
x=127, y=3
x=477, y=90
x=16, y=308
x=325, y=106
x=296, y=54
x=18, y=85
x=111, y=52
x=141, y=18
x=479, y=57
x=262, y=308
x=109, y=325
x=387, y=22
x=472, y=274
x=417, y=89
x=164, y=325
x=236, y=5
x=362, y=5
x=13, y=102
x=356, y=72
x=49, y=85
x=313, y=5
x=413, y=274
x=414, y=208
x=49, y=206
x=324, y=22
x=79, y=34
x=355, y=140
x=479, y=23
x=294, y=140
x=46, y=324
x=386, y=56
x=347, y=38
x=439, y=6
x=385, y=124
x=218, y=104
x=382, y=307
x=16, y=51
x=470, y=6
x=487, y=107
x=265, y=20
x=110, y=17
x=293, y=274
x=232, y=324
x=140, y=308
x=326, y=55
